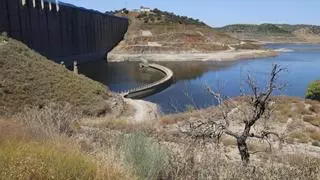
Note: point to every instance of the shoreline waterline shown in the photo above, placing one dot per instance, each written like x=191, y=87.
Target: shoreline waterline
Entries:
x=229, y=55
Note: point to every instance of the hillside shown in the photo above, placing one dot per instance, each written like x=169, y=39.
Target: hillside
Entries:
x=261, y=29
x=29, y=79
x=162, y=32
x=48, y=142
x=274, y=32
x=157, y=16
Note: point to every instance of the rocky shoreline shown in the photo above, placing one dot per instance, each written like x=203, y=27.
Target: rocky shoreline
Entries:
x=228, y=55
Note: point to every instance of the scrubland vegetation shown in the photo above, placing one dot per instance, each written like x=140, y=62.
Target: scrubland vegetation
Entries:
x=63, y=146
x=160, y=17
x=49, y=129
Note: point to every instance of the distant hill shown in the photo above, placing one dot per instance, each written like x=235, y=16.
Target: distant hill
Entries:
x=291, y=28
x=159, y=31
x=248, y=28
x=274, y=32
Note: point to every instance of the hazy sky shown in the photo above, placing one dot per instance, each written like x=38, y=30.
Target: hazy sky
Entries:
x=223, y=12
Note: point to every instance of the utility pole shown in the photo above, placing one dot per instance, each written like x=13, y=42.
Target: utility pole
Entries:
x=126, y=4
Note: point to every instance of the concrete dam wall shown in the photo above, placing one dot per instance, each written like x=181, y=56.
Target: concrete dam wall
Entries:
x=61, y=32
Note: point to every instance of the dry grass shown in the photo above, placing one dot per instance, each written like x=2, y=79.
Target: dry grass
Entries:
x=302, y=110
x=172, y=119
x=25, y=155
x=148, y=159
x=193, y=164
x=291, y=107
x=314, y=120
x=50, y=121
x=41, y=148
x=298, y=136
x=296, y=124
x=205, y=164
x=314, y=134
x=284, y=112
x=107, y=122
x=229, y=141
x=195, y=114
x=258, y=147
x=120, y=124
x=21, y=160
x=27, y=159
x=29, y=79
x=314, y=106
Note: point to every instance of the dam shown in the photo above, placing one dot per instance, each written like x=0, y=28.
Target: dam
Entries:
x=60, y=31
x=152, y=88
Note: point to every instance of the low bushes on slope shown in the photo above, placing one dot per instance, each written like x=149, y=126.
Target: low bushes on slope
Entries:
x=313, y=91
x=29, y=79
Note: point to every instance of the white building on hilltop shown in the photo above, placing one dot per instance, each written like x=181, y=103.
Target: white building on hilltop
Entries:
x=145, y=9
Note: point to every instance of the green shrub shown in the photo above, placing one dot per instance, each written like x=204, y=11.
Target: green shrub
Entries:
x=147, y=157
x=313, y=91
x=29, y=160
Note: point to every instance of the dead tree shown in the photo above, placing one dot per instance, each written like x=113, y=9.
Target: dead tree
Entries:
x=253, y=108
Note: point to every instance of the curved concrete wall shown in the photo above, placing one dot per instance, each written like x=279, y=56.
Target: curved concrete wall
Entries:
x=153, y=87
x=62, y=32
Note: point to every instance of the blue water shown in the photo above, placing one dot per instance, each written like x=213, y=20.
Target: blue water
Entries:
x=302, y=67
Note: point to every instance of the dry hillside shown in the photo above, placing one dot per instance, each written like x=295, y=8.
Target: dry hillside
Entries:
x=28, y=79
x=163, y=32
x=279, y=33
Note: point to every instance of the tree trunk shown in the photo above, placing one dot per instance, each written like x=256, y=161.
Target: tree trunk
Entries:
x=243, y=149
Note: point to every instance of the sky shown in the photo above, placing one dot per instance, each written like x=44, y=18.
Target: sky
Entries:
x=218, y=13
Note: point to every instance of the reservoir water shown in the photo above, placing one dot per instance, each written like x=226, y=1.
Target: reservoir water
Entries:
x=192, y=78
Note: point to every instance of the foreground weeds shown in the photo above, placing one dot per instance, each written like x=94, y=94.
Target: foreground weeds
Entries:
x=52, y=144
x=30, y=160
x=51, y=120
x=205, y=164
x=42, y=144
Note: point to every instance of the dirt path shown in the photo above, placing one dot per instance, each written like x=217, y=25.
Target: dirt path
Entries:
x=143, y=110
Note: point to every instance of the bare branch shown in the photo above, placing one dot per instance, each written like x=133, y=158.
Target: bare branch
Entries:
x=259, y=106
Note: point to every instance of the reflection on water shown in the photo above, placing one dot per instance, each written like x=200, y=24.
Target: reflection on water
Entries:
x=193, y=70
x=119, y=76
x=191, y=78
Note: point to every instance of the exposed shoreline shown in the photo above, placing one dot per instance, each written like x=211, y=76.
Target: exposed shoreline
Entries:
x=229, y=55
x=285, y=42
x=148, y=111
